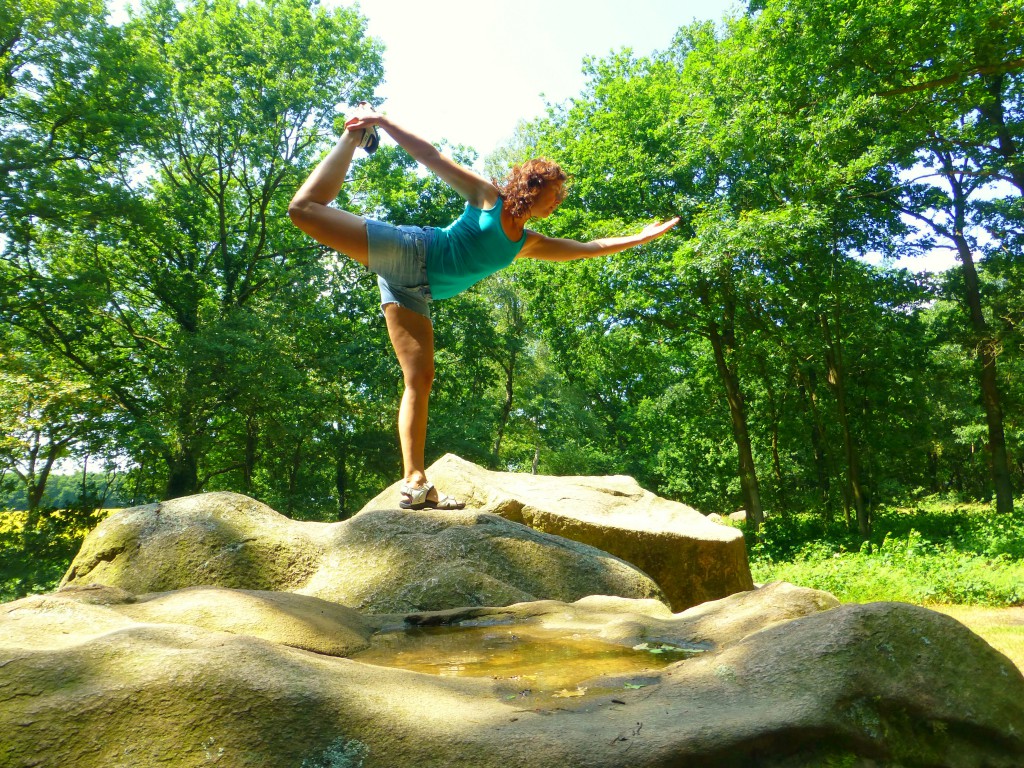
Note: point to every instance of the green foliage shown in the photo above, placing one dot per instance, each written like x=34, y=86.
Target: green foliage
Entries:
x=935, y=552
x=35, y=555
x=183, y=312
x=161, y=313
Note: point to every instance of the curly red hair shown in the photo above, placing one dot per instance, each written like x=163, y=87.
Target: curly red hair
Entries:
x=525, y=182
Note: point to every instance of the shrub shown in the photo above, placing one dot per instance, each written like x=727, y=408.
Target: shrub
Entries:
x=933, y=552
x=34, y=558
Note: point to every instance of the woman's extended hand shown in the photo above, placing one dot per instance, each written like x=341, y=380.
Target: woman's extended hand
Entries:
x=654, y=231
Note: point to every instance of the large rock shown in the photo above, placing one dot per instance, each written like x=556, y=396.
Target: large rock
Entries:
x=287, y=619
x=87, y=681
x=692, y=559
x=384, y=561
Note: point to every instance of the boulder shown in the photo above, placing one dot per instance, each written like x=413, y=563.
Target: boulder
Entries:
x=292, y=620
x=691, y=558
x=383, y=561
x=786, y=679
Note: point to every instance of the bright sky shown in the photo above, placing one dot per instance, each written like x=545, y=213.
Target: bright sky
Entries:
x=469, y=71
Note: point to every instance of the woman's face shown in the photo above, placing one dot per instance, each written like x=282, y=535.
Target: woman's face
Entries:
x=546, y=202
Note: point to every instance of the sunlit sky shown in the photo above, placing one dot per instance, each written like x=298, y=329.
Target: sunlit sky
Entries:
x=468, y=71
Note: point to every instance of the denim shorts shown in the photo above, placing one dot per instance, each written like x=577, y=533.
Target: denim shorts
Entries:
x=398, y=256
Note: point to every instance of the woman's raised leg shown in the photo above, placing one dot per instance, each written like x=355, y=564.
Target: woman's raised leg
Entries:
x=309, y=209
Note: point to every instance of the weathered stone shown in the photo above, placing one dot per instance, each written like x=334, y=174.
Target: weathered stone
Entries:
x=279, y=617
x=383, y=561
x=692, y=559
x=626, y=622
x=884, y=684
x=299, y=621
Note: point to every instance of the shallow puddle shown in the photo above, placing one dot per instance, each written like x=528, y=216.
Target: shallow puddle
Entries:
x=526, y=660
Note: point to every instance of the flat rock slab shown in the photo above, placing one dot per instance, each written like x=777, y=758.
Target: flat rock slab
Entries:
x=690, y=557
x=385, y=561
x=795, y=680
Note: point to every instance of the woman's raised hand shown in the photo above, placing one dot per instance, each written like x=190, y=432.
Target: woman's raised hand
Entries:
x=362, y=116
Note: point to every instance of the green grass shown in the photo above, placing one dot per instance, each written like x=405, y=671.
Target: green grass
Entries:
x=935, y=552
x=1002, y=628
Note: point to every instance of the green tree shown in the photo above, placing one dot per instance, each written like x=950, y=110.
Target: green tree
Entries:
x=46, y=414
x=939, y=110
x=170, y=305
x=74, y=100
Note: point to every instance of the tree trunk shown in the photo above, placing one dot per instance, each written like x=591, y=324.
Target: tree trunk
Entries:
x=837, y=383
x=809, y=388
x=776, y=462
x=777, y=403
x=723, y=342
x=506, y=407
x=341, y=478
x=748, y=472
x=293, y=479
x=780, y=481
x=183, y=473
x=251, y=450
x=988, y=376
x=995, y=115
x=984, y=344
x=35, y=482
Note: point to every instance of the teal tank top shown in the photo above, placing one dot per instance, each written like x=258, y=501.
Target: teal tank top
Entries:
x=468, y=250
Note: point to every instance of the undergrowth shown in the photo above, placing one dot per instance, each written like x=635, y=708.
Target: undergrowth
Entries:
x=34, y=555
x=936, y=551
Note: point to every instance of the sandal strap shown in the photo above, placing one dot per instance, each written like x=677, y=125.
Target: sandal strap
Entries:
x=444, y=501
x=416, y=495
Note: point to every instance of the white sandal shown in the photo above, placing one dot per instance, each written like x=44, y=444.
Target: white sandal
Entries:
x=418, y=498
x=369, y=139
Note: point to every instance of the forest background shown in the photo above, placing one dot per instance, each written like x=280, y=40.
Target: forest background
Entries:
x=166, y=328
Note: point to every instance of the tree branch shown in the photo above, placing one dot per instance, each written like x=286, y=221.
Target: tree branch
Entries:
x=985, y=69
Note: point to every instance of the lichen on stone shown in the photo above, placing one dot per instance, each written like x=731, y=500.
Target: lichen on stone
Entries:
x=340, y=753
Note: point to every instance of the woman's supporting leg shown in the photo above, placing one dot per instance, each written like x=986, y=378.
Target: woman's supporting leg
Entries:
x=412, y=336
x=309, y=211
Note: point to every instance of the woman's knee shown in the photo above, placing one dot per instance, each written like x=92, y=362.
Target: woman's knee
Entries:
x=419, y=377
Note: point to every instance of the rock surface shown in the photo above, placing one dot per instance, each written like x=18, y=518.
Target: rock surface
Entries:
x=384, y=561
x=788, y=679
x=691, y=558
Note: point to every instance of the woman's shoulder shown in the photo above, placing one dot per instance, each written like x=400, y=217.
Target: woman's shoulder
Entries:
x=486, y=199
x=495, y=206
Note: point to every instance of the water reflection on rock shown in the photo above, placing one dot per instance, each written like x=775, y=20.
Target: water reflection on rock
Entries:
x=532, y=660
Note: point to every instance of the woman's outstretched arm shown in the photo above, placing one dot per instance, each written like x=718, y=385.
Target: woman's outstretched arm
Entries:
x=475, y=189
x=539, y=246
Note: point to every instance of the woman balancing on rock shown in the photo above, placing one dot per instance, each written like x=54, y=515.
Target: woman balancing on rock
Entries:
x=415, y=266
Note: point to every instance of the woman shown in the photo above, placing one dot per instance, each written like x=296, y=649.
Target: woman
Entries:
x=415, y=266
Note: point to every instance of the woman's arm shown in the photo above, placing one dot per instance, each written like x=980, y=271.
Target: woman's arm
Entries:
x=475, y=189
x=539, y=246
